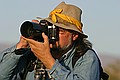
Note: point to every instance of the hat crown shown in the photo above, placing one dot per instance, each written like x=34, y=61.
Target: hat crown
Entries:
x=67, y=16
x=70, y=10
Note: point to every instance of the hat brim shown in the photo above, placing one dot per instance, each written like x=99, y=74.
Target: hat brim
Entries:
x=72, y=27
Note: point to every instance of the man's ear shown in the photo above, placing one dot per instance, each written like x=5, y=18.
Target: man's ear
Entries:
x=75, y=36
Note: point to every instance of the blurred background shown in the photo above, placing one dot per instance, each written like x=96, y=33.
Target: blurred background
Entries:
x=100, y=19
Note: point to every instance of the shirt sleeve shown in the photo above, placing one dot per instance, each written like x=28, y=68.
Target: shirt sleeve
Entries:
x=8, y=61
x=86, y=68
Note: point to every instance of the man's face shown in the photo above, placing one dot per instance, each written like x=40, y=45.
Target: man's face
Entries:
x=65, y=38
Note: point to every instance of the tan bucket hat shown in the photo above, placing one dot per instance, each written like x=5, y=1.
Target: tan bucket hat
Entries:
x=67, y=16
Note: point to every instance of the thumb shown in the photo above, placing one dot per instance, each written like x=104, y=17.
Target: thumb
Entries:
x=45, y=37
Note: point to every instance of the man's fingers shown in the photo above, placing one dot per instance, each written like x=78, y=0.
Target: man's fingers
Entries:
x=46, y=41
x=29, y=40
x=36, y=21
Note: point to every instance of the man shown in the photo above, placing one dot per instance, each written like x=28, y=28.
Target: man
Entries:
x=60, y=64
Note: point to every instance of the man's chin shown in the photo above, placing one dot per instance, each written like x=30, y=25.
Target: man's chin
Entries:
x=58, y=51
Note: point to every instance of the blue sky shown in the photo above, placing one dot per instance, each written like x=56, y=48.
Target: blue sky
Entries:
x=101, y=19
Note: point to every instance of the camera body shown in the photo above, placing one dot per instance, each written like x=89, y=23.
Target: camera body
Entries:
x=34, y=31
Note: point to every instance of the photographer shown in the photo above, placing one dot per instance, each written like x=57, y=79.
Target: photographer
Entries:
x=19, y=61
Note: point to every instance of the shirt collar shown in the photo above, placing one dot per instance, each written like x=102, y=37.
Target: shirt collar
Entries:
x=68, y=53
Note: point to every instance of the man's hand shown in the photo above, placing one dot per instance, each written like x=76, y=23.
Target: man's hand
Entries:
x=22, y=43
x=42, y=51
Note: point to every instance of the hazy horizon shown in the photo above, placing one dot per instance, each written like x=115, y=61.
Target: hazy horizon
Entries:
x=100, y=19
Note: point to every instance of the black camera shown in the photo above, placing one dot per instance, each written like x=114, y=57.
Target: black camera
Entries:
x=34, y=31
